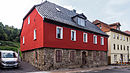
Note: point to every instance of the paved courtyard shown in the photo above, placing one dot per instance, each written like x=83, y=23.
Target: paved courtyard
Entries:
x=25, y=67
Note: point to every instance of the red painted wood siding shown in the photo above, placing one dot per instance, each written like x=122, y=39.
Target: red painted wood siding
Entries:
x=50, y=39
x=46, y=36
x=28, y=32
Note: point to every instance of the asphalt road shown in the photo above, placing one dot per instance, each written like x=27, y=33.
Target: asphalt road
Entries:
x=24, y=68
x=123, y=70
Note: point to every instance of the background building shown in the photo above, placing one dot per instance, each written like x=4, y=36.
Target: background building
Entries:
x=118, y=42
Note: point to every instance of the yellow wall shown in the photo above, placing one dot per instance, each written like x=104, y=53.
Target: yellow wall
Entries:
x=112, y=52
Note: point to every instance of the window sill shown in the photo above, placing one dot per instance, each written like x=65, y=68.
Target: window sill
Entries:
x=35, y=39
x=60, y=38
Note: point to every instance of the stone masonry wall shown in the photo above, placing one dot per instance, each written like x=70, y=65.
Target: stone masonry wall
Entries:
x=46, y=59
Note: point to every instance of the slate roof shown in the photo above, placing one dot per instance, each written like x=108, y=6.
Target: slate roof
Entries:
x=48, y=10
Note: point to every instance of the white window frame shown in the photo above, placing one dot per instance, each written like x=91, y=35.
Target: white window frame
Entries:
x=23, y=40
x=95, y=39
x=85, y=37
x=102, y=40
x=74, y=35
x=35, y=34
x=81, y=21
x=61, y=35
x=29, y=20
x=123, y=38
x=114, y=36
x=120, y=37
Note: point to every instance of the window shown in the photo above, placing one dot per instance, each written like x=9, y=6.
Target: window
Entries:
x=121, y=47
x=72, y=56
x=95, y=39
x=36, y=56
x=120, y=37
x=124, y=38
x=73, y=35
x=23, y=40
x=118, y=47
x=117, y=36
x=81, y=21
x=59, y=32
x=102, y=41
x=114, y=36
x=114, y=46
x=84, y=37
x=127, y=39
x=128, y=48
x=29, y=20
x=34, y=34
x=124, y=47
x=58, y=55
x=115, y=58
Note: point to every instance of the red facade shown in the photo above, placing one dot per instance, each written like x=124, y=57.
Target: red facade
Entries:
x=28, y=32
x=46, y=36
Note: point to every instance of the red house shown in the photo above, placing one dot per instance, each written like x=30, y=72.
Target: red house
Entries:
x=54, y=37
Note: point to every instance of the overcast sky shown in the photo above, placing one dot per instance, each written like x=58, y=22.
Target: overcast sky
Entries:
x=108, y=11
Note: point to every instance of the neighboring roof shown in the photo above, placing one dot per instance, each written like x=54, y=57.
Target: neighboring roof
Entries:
x=118, y=24
x=97, y=22
x=49, y=10
x=119, y=31
x=128, y=32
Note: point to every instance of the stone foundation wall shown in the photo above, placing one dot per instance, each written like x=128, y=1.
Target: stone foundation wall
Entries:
x=46, y=58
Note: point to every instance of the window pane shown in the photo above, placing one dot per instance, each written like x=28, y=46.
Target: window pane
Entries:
x=23, y=39
x=34, y=34
x=58, y=55
x=84, y=37
x=59, y=32
x=73, y=35
x=29, y=20
x=81, y=21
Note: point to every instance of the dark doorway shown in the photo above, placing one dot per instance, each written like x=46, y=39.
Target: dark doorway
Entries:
x=121, y=57
x=83, y=58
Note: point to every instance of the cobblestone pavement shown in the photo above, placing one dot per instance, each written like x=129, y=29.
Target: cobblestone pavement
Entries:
x=24, y=67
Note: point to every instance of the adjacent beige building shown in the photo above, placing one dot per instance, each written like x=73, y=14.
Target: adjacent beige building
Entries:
x=118, y=42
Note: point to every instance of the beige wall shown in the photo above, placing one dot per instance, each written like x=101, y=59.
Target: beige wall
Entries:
x=112, y=51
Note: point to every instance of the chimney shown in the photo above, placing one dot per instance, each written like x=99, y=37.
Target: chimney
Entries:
x=74, y=10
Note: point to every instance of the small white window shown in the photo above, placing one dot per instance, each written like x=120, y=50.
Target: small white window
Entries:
x=73, y=35
x=59, y=32
x=23, y=39
x=29, y=20
x=114, y=36
x=81, y=21
x=84, y=37
x=124, y=38
x=95, y=39
x=117, y=36
x=120, y=37
x=35, y=34
x=102, y=41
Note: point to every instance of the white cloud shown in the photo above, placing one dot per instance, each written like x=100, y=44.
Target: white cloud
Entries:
x=118, y=2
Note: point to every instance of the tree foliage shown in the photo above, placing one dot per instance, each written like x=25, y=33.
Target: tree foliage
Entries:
x=9, y=33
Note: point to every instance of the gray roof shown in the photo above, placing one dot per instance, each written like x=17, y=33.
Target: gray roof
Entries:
x=48, y=10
